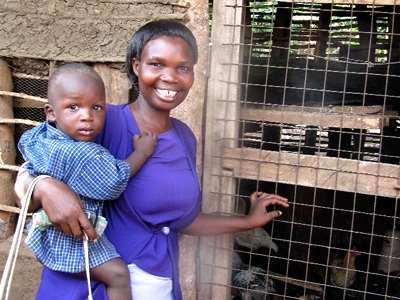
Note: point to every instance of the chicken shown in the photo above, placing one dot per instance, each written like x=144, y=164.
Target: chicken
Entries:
x=255, y=238
x=251, y=281
x=343, y=271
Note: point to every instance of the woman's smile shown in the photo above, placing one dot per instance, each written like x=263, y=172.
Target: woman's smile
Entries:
x=167, y=93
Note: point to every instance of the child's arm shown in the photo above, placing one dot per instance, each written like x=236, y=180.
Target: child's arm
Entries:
x=143, y=146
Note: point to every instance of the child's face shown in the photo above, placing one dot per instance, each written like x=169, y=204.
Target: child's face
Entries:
x=165, y=72
x=78, y=107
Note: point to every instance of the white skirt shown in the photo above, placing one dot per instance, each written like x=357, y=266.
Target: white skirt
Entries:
x=147, y=286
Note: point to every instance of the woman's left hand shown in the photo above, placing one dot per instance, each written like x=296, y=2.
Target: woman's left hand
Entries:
x=212, y=224
x=258, y=214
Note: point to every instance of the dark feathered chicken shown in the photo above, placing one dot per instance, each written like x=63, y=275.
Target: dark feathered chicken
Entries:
x=250, y=280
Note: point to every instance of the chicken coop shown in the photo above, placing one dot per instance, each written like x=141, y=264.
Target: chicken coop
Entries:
x=303, y=101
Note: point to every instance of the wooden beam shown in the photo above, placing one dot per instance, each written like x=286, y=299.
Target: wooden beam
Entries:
x=313, y=171
x=360, y=117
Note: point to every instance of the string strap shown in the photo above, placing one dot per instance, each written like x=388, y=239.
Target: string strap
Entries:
x=86, y=249
x=8, y=272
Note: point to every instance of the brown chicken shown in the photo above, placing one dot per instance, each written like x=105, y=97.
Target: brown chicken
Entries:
x=343, y=270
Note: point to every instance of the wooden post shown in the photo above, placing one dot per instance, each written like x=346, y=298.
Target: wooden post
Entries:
x=116, y=83
x=394, y=28
x=323, y=31
x=281, y=33
x=7, y=153
x=367, y=28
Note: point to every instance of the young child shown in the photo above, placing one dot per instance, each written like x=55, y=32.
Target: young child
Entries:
x=63, y=148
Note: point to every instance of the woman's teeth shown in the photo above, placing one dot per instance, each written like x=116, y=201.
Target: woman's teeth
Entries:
x=167, y=93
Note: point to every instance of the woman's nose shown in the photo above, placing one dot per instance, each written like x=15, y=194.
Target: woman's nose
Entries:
x=169, y=75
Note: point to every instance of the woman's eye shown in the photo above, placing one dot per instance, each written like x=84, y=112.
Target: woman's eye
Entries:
x=157, y=65
x=185, y=69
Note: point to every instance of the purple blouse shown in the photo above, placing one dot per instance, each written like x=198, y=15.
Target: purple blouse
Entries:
x=163, y=197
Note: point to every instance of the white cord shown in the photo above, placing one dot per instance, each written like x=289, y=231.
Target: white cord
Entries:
x=86, y=249
x=8, y=272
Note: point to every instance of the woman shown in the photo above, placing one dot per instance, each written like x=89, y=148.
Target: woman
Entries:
x=164, y=197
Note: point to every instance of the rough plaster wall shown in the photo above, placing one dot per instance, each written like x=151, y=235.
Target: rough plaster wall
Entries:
x=73, y=30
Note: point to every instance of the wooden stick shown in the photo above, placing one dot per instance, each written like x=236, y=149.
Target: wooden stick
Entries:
x=307, y=285
x=23, y=96
x=11, y=209
x=9, y=167
x=18, y=121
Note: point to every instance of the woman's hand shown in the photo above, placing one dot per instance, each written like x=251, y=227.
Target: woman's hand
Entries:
x=212, y=224
x=258, y=215
x=61, y=204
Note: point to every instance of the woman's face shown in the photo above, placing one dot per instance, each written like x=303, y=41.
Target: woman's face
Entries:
x=165, y=72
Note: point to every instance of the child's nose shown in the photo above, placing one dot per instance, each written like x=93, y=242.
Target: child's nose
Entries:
x=86, y=116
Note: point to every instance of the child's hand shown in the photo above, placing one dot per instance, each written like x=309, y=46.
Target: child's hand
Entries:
x=145, y=143
x=258, y=215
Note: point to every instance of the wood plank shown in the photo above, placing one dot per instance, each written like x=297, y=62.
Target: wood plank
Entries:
x=361, y=117
x=313, y=171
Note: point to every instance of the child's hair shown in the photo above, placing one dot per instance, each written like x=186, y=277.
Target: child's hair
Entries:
x=71, y=68
x=154, y=30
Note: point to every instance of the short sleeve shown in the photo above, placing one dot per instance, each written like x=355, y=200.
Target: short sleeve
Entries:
x=102, y=178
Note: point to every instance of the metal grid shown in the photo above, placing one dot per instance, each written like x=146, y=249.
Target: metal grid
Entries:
x=28, y=85
x=304, y=102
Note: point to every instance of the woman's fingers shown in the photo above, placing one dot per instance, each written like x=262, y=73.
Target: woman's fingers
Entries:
x=268, y=199
x=87, y=226
x=258, y=214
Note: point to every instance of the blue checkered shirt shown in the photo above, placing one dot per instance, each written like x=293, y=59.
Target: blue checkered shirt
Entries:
x=88, y=169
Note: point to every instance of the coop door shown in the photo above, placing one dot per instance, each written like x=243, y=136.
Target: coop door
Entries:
x=303, y=101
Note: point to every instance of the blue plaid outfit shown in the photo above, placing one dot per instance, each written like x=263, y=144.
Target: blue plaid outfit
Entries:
x=88, y=169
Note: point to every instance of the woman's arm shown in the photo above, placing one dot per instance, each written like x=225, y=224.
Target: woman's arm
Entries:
x=208, y=224
x=61, y=204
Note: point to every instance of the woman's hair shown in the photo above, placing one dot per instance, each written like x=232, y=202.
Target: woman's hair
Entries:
x=154, y=30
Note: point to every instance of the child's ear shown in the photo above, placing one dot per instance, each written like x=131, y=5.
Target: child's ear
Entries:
x=135, y=66
x=50, y=116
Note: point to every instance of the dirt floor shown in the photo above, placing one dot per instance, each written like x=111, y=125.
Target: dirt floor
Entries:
x=27, y=272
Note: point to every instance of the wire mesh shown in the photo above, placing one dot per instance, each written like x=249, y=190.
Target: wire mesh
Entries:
x=317, y=122
x=25, y=109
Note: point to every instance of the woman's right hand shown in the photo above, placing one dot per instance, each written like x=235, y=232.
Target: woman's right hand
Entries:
x=61, y=204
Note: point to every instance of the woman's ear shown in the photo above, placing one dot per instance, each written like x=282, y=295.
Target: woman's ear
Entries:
x=135, y=66
x=50, y=115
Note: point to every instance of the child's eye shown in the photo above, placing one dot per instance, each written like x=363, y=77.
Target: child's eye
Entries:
x=73, y=106
x=184, y=68
x=97, y=107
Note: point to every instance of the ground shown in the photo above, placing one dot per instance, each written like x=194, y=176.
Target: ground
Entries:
x=27, y=272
